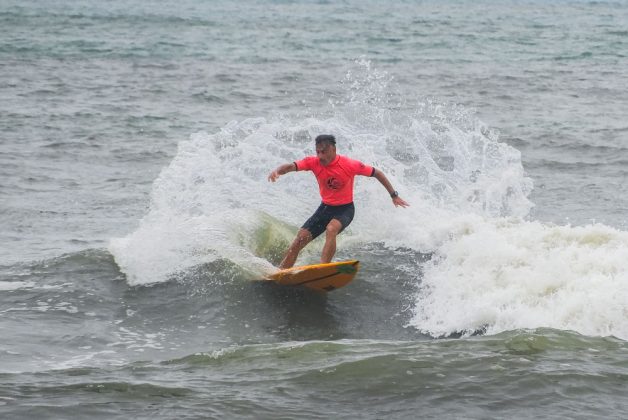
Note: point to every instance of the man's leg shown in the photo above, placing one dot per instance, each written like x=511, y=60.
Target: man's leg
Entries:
x=329, y=249
x=303, y=238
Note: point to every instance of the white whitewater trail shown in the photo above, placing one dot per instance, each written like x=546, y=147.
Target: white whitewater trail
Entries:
x=492, y=270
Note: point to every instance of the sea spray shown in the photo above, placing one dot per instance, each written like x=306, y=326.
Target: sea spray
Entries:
x=214, y=192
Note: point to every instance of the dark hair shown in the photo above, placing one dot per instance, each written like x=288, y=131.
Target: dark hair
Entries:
x=326, y=138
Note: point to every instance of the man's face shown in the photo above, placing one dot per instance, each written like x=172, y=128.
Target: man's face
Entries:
x=326, y=153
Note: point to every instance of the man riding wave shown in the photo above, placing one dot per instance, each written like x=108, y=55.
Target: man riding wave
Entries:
x=335, y=174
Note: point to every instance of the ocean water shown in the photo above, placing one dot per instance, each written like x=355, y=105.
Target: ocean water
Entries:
x=136, y=138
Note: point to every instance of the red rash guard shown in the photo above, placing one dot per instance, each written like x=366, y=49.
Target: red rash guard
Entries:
x=335, y=180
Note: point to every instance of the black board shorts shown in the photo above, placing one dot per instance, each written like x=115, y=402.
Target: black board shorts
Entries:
x=318, y=222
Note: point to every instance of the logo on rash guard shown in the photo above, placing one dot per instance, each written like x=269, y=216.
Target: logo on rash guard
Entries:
x=333, y=183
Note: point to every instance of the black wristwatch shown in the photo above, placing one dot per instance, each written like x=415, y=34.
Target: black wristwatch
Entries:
x=394, y=194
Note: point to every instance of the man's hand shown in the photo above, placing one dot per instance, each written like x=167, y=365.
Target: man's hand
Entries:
x=282, y=170
x=400, y=202
x=397, y=201
x=273, y=176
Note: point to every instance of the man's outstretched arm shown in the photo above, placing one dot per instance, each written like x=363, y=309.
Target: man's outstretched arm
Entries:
x=282, y=170
x=397, y=201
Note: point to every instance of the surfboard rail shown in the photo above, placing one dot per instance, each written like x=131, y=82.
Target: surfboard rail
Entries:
x=323, y=277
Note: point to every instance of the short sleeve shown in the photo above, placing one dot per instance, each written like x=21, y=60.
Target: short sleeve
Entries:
x=360, y=168
x=305, y=164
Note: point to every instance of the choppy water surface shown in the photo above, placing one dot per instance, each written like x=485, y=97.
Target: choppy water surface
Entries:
x=136, y=141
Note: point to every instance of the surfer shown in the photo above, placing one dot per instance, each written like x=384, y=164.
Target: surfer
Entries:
x=334, y=174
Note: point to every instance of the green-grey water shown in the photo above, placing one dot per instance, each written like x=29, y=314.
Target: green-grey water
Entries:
x=136, y=141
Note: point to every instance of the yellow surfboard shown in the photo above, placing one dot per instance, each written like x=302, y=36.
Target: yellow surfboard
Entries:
x=323, y=277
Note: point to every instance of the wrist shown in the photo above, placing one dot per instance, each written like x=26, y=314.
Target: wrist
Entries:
x=394, y=194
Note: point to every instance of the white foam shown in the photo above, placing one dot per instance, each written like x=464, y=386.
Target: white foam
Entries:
x=505, y=274
x=6, y=286
x=468, y=194
x=215, y=191
x=18, y=285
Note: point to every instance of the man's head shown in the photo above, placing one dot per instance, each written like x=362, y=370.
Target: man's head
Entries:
x=326, y=148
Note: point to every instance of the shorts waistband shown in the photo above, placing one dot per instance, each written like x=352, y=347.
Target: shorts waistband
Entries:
x=338, y=206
